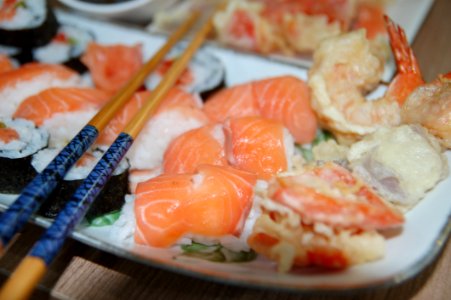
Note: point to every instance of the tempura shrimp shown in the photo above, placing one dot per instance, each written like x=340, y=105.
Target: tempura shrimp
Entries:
x=345, y=69
x=322, y=216
x=430, y=106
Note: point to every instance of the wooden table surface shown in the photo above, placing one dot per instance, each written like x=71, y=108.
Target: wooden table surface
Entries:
x=81, y=272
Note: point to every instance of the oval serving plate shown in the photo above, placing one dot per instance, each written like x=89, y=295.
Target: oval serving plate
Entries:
x=426, y=229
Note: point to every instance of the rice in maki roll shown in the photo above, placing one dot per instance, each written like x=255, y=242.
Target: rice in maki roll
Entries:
x=19, y=140
x=109, y=200
x=26, y=24
x=66, y=48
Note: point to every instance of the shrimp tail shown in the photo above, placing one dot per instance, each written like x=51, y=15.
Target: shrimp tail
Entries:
x=408, y=76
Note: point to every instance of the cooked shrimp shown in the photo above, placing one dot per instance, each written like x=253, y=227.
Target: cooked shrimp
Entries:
x=345, y=68
x=322, y=216
x=430, y=106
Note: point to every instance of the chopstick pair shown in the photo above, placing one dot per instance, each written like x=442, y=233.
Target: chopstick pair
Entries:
x=34, y=194
x=29, y=272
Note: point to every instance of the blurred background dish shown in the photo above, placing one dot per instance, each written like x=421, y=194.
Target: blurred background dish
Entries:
x=127, y=10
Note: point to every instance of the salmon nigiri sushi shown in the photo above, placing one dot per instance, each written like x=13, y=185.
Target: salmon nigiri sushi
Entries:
x=30, y=79
x=178, y=112
x=62, y=111
x=258, y=145
x=285, y=99
x=213, y=202
x=204, y=145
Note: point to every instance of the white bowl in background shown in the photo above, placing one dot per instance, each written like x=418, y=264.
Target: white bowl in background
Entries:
x=128, y=10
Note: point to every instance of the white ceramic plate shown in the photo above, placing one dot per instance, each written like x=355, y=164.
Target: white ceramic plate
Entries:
x=423, y=235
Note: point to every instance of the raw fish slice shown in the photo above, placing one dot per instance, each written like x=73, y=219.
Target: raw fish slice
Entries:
x=287, y=100
x=46, y=104
x=258, y=145
x=30, y=79
x=213, y=202
x=203, y=145
x=236, y=101
x=221, y=201
x=113, y=65
x=175, y=97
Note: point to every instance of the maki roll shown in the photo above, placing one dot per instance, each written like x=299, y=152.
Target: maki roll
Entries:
x=26, y=23
x=110, y=199
x=66, y=48
x=204, y=74
x=19, y=140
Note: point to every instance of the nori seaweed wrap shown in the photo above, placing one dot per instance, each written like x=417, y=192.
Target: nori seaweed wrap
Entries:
x=19, y=140
x=110, y=199
x=31, y=23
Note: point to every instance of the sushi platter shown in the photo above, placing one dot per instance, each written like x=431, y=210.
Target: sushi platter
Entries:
x=409, y=249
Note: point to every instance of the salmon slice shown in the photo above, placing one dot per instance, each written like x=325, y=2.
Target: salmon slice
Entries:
x=203, y=145
x=330, y=194
x=175, y=97
x=237, y=101
x=112, y=66
x=257, y=145
x=17, y=85
x=213, y=202
x=285, y=99
x=43, y=106
x=5, y=64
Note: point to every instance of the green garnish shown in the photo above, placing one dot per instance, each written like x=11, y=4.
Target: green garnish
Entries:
x=217, y=253
x=322, y=136
x=72, y=41
x=3, y=125
x=105, y=220
x=20, y=4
